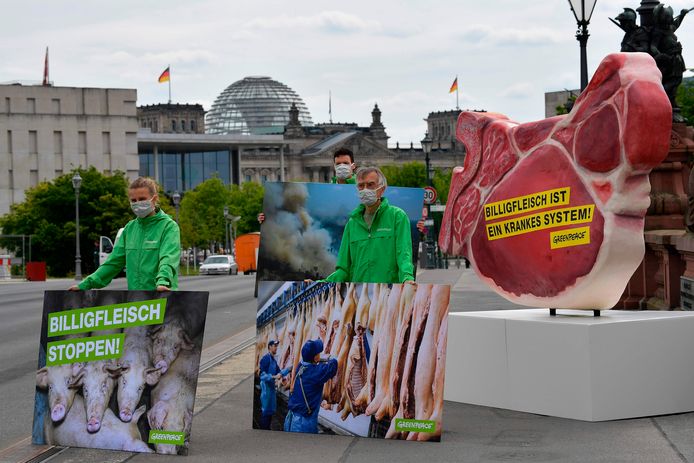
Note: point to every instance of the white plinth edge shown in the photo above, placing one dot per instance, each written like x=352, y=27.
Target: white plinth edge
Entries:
x=620, y=365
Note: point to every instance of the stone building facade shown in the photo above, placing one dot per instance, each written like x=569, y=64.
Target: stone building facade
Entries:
x=308, y=151
x=172, y=118
x=47, y=131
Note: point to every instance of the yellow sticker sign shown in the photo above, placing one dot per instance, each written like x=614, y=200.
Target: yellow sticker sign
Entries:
x=570, y=237
x=540, y=221
x=527, y=203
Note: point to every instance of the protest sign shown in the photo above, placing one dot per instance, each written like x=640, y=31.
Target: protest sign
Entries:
x=119, y=369
x=364, y=359
x=304, y=223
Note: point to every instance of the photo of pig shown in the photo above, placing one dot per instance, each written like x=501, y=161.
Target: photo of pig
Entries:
x=304, y=222
x=119, y=403
x=382, y=358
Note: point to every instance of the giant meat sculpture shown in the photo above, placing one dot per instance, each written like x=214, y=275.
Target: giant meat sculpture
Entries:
x=551, y=213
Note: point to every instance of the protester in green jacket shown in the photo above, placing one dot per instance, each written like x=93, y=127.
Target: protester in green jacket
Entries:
x=149, y=247
x=344, y=167
x=376, y=243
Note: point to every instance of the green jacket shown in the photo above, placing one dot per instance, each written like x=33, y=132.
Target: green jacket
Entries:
x=380, y=254
x=352, y=180
x=150, y=248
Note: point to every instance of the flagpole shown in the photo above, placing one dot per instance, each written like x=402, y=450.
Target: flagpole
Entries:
x=169, y=84
x=46, y=78
x=457, y=106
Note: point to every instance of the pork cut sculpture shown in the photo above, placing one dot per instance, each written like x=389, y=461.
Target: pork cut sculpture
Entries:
x=551, y=213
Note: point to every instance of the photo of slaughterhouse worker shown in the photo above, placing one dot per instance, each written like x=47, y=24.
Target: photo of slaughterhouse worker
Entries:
x=119, y=369
x=364, y=359
x=304, y=223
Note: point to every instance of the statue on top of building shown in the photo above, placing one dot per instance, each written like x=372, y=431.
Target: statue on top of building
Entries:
x=656, y=36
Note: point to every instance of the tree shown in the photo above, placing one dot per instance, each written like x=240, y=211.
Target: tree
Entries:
x=685, y=98
x=442, y=183
x=48, y=214
x=246, y=201
x=202, y=213
x=413, y=174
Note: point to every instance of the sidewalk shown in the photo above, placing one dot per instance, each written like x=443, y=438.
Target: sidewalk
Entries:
x=222, y=424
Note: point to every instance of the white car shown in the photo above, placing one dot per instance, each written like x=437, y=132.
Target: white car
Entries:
x=219, y=265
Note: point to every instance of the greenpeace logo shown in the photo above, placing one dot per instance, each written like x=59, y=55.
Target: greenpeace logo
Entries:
x=166, y=437
x=404, y=425
x=384, y=229
x=151, y=242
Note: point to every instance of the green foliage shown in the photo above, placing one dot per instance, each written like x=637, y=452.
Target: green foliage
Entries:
x=413, y=174
x=442, y=183
x=566, y=107
x=685, y=99
x=48, y=213
x=202, y=211
x=247, y=202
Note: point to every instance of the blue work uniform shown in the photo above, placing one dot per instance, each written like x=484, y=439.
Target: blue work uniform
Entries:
x=312, y=376
x=268, y=394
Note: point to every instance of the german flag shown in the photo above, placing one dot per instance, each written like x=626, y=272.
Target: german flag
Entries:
x=165, y=76
x=454, y=87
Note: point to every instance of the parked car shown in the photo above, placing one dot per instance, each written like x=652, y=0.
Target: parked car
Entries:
x=219, y=264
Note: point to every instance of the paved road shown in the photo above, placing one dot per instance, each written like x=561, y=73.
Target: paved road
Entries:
x=232, y=308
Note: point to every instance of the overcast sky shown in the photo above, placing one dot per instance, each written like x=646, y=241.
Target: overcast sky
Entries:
x=401, y=54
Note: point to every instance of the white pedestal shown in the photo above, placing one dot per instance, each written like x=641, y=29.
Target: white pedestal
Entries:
x=620, y=365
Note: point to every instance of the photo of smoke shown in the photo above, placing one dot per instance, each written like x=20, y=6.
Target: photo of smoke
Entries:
x=118, y=370
x=362, y=359
x=303, y=226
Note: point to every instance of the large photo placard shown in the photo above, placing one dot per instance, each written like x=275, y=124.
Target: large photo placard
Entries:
x=304, y=222
x=362, y=359
x=119, y=369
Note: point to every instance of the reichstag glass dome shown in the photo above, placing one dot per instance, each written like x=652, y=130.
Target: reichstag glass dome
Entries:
x=254, y=105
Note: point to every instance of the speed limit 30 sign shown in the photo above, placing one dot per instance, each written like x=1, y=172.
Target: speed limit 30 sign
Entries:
x=430, y=195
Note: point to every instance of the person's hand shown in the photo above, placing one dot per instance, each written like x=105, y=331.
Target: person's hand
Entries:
x=74, y=288
x=410, y=282
x=162, y=289
x=261, y=218
x=420, y=225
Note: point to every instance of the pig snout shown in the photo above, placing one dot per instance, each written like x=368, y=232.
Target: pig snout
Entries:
x=163, y=365
x=126, y=415
x=58, y=412
x=94, y=424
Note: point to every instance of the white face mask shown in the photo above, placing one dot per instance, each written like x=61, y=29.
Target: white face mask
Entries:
x=343, y=171
x=142, y=208
x=368, y=197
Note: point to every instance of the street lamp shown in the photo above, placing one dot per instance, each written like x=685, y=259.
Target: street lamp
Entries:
x=426, y=147
x=177, y=201
x=583, y=10
x=429, y=245
x=233, y=219
x=226, y=229
x=230, y=221
x=76, y=183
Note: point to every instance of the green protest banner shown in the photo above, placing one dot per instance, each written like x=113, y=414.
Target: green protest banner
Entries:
x=105, y=347
x=124, y=315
